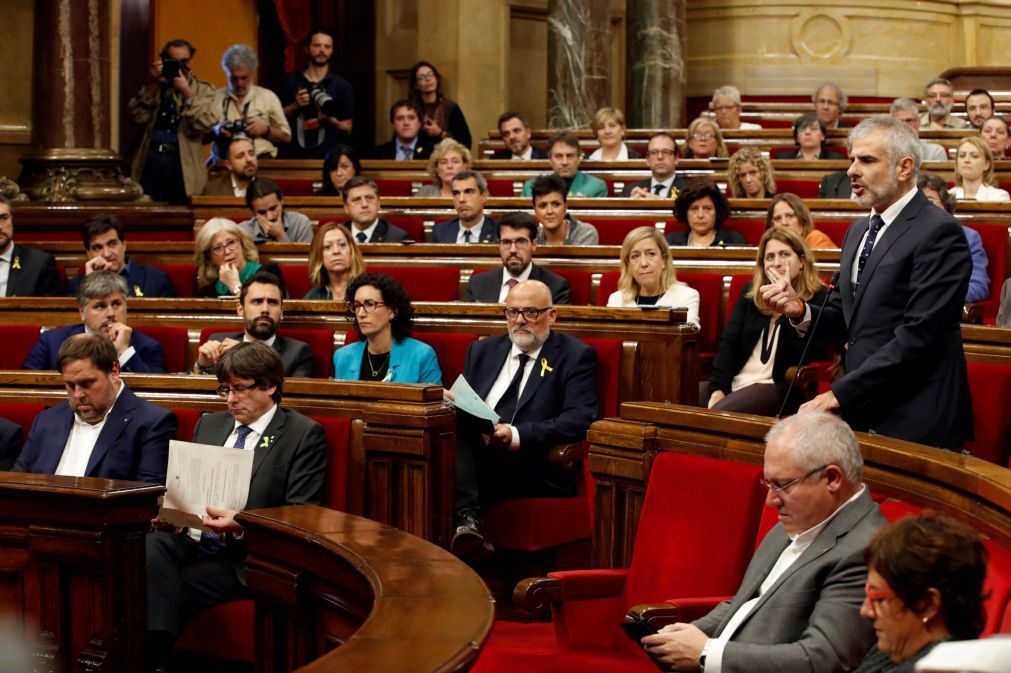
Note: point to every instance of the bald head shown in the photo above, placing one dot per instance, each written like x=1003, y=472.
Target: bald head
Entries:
x=530, y=293
x=530, y=315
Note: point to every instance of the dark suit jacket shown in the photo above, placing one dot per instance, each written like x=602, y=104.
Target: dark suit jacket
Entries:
x=556, y=406
x=905, y=369
x=678, y=184
x=33, y=273
x=149, y=280
x=296, y=356
x=132, y=445
x=11, y=437
x=485, y=286
x=446, y=232
x=723, y=237
x=149, y=357
x=810, y=618
x=388, y=150
x=835, y=186
x=383, y=233
x=508, y=153
x=795, y=154
x=219, y=185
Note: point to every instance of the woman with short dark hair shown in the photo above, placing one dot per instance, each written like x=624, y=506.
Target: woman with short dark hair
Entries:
x=703, y=207
x=339, y=165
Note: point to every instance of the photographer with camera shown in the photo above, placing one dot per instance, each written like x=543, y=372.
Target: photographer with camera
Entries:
x=176, y=110
x=319, y=103
x=246, y=108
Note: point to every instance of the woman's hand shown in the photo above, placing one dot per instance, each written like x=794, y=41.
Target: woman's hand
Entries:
x=229, y=275
x=716, y=397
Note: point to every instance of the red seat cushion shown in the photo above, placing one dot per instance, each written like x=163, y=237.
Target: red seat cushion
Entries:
x=182, y=276
x=295, y=186
x=224, y=631
x=394, y=187
x=805, y=189
x=18, y=343
x=502, y=188
x=990, y=385
x=174, y=342
x=579, y=285
x=425, y=283
x=296, y=280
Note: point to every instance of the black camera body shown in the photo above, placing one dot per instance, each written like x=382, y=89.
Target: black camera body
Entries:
x=234, y=127
x=170, y=68
x=322, y=99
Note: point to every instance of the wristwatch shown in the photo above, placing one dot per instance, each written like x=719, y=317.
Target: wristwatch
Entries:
x=702, y=655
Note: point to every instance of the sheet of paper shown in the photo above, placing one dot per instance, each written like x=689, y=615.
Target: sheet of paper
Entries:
x=201, y=476
x=465, y=399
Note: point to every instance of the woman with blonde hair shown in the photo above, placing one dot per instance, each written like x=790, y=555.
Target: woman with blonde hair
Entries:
x=750, y=175
x=648, y=277
x=974, y=172
x=225, y=256
x=334, y=261
x=704, y=140
x=788, y=210
x=609, y=127
x=448, y=158
x=758, y=345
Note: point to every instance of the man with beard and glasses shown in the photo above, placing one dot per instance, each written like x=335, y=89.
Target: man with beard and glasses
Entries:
x=310, y=96
x=939, y=97
x=261, y=310
x=542, y=384
x=904, y=273
x=102, y=299
x=516, y=135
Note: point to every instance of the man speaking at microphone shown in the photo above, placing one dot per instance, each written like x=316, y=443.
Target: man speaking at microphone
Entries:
x=904, y=271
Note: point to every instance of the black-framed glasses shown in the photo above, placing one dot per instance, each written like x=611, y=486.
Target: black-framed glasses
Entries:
x=369, y=305
x=782, y=489
x=529, y=314
x=239, y=390
x=520, y=243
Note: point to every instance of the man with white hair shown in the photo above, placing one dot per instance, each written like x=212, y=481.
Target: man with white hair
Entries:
x=829, y=104
x=259, y=110
x=907, y=111
x=939, y=98
x=727, y=108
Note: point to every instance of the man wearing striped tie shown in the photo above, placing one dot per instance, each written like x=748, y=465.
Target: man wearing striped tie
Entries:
x=191, y=571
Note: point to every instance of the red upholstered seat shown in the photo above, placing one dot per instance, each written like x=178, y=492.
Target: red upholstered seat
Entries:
x=995, y=245
x=613, y=230
x=321, y=343
x=174, y=343
x=414, y=226
x=692, y=503
x=394, y=187
x=710, y=289
x=501, y=188
x=805, y=189
x=295, y=186
x=183, y=277
x=579, y=285
x=834, y=229
x=608, y=286
x=990, y=385
x=18, y=343
x=338, y=444
x=187, y=422
x=22, y=413
x=425, y=283
x=296, y=280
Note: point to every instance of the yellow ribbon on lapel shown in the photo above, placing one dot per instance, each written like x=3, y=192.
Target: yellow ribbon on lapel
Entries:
x=137, y=292
x=265, y=442
x=17, y=262
x=545, y=367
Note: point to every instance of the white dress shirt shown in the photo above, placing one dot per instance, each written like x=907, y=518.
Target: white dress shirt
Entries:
x=475, y=232
x=528, y=153
x=257, y=428
x=505, y=377
x=367, y=231
x=506, y=276
x=81, y=443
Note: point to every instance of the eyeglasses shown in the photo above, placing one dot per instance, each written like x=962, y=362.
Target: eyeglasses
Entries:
x=661, y=153
x=422, y=76
x=228, y=246
x=520, y=243
x=704, y=136
x=529, y=314
x=240, y=390
x=877, y=598
x=369, y=305
x=782, y=489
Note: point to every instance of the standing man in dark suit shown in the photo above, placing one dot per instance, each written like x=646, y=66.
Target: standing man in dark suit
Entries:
x=470, y=193
x=517, y=233
x=188, y=572
x=102, y=300
x=516, y=135
x=903, y=276
x=543, y=385
x=261, y=309
x=104, y=430
x=664, y=183
x=105, y=245
x=361, y=203
x=24, y=272
x=798, y=608
x=408, y=143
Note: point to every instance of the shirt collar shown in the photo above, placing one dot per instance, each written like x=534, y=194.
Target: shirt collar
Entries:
x=892, y=211
x=524, y=275
x=811, y=533
x=259, y=426
x=7, y=254
x=269, y=342
x=515, y=351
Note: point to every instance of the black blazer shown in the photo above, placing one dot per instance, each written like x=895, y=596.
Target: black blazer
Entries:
x=388, y=150
x=835, y=186
x=11, y=437
x=446, y=232
x=383, y=233
x=507, y=153
x=678, y=184
x=905, y=368
x=723, y=237
x=32, y=274
x=795, y=154
x=743, y=331
x=295, y=355
x=485, y=286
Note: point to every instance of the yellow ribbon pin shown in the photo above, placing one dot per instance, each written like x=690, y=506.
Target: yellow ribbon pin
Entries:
x=137, y=292
x=17, y=262
x=545, y=367
x=265, y=444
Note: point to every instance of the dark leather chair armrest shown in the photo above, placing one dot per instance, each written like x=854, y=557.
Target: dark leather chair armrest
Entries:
x=972, y=314
x=534, y=596
x=567, y=456
x=657, y=615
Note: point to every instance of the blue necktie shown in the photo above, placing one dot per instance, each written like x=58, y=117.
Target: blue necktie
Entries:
x=405, y=153
x=865, y=253
x=466, y=235
x=210, y=541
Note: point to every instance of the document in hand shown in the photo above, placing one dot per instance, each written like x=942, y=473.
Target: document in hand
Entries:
x=201, y=476
x=465, y=399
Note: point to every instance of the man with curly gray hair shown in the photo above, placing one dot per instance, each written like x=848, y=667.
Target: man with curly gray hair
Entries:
x=258, y=110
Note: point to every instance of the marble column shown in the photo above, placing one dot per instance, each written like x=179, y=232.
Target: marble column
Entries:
x=579, y=65
x=655, y=44
x=72, y=108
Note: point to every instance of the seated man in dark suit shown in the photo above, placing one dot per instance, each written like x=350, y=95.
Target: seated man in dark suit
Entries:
x=241, y=162
x=664, y=182
x=104, y=430
x=835, y=185
x=543, y=385
x=470, y=193
x=408, y=142
x=517, y=234
x=102, y=300
x=188, y=572
x=261, y=309
x=516, y=135
x=798, y=608
x=24, y=272
x=11, y=438
x=361, y=203
x=105, y=245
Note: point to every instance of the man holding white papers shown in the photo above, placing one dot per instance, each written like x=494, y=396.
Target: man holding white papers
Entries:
x=189, y=573
x=543, y=386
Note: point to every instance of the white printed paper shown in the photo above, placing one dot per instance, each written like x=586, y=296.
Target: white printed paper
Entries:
x=465, y=399
x=201, y=476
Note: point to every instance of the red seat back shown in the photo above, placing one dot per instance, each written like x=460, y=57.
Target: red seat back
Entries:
x=174, y=342
x=321, y=343
x=834, y=229
x=338, y=451
x=995, y=244
x=737, y=283
x=608, y=374
x=414, y=226
x=608, y=286
x=22, y=413
x=990, y=385
x=183, y=278
x=997, y=589
x=187, y=422
x=295, y=186
x=501, y=188
x=425, y=283
x=296, y=279
x=613, y=230
x=394, y=187
x=710, y=289
x=18, y=343
x=805, y=189
x=579, y=285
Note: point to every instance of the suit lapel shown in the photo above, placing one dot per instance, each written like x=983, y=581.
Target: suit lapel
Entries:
x=16, y=271
x=60, y=434
x=899, y=226
x=498, y=356
x=271, y=435
x=379, y=235
x=116, y=422
x=487, y=234
x=548, y=358
x=847, y=260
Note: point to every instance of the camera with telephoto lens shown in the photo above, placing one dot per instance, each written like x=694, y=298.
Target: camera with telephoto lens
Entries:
x=234, y=127
x=170, y=68
x=322, y=99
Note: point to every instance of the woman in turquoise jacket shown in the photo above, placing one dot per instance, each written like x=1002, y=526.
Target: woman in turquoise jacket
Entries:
x=384, y=317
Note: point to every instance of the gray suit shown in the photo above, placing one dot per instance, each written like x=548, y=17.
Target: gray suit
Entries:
x=296, y=356
x=809, y=620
